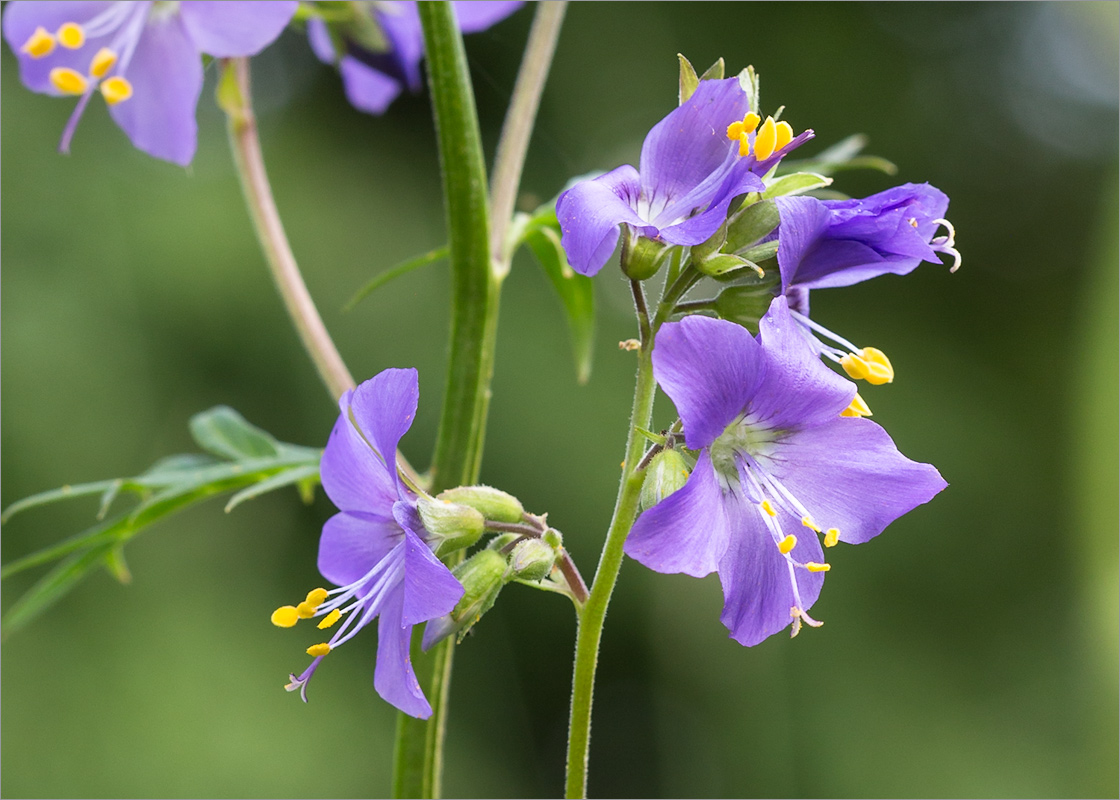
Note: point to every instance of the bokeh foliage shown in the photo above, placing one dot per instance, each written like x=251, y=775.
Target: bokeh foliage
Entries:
x=969, y=651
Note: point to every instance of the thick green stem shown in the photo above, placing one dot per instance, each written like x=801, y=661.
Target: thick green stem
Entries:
x=594, y=612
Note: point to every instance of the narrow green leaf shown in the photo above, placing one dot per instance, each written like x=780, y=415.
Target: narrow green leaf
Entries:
x=286, y=478
x=115, y=564
x=403, y=268
x=688, y=80
x=110, y=530
x=797, y=183
x=844, y=155
x=225, y=433
x=576, y=292
x=52, y=586
x=53, y=496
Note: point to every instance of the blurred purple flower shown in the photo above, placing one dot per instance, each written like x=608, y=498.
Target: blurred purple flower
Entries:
x=371, y=78
x=694, y=162
x=144, y=57
x=780, y=461
x=376, y=549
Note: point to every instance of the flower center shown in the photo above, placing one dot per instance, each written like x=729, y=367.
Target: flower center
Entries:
x=769, y=139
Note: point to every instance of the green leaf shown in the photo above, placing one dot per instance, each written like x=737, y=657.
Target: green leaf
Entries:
x=844, y=155
x=688, y=80
x=714, y=72
x=305, y=476
x=403, y=268
x=225, y=433
x=54, y=495
x=797, y=183
x=576, y=292
x=52, y=587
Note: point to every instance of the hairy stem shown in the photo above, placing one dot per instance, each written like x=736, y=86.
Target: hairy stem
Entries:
x=518, y=126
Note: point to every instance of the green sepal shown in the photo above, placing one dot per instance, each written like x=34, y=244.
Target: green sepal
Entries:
x=656, y=438
x=493, y=504
x=744, y=305
x=748, y=80
x=751, y=223
x=726, y=262
x=844, y=155
x=688, y=80
x=642, y=257
x=715, y=72
x=795, y=183
x=455, y=526
x=482, y=575
x=531, y=560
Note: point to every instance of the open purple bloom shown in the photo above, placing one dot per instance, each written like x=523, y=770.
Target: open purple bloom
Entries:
x=825, y=243
x=376, y=549
x=372, y=78
x=691, y=169
x=778, y=464
x=144, y=57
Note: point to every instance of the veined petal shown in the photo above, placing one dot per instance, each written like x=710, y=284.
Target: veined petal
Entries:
x=686, y=155
x=796, y=388
x=699, y=227
x=320, y=40
x=478, y=15
x=401, y=23
x=590, y=213
x=353, y=476
x=430, y=590
x=384, y=408
x=166, y=76
x=352, y=544
x=757, y=588
x=366, y=88
x=804, y=221
x=23, y=17
x=228, y=28
x=687, y=531
x=393, y=677
x=851, y=476
x=710, y=369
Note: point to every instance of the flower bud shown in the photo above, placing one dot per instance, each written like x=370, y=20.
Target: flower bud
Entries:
x=750, y=224
x=553, y=538
x=745, y=305
x=642, y=257
x=482, y=576
x=666, y=473
x=531, y=560
x=457, y=526
x=493, y=504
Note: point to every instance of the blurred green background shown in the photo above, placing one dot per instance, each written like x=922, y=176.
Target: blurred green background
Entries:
x=969, y=651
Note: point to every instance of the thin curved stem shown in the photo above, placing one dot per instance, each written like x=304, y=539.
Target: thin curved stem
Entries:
x=518, y=126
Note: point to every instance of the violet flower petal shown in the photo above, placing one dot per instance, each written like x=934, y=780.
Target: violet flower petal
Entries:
x=401, y=24
x=478, y=15
x=686, y=532
x=430, y=590
x=797, y=388
x=367, y=89
x=393, y=677
x=384, y=408
x=859, y=481
x=353, y=476
x=352, y=543
x=710, y=369
x=590, y=213
x=755, y=576
x=320, y=40
x=229, y=28
x=166, y=76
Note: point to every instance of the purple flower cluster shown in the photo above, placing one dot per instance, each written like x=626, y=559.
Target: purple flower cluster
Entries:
x=376, y=549
x=372, y=79
x=143, y=57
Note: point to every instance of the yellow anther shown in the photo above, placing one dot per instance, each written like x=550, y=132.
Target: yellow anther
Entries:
x=330, y=619
x=285, y=617
x=813, y=566
x=831, y=537
x=766, y=140
x=318, y=649
x=858, y=408
x=68, y=81
x=316, y=597
x=878, y=365
x=39, y=44
x=116, y=90
x=913, y=222
x=787, y=544
x=71, y=35
x=785, y=135
x=769, y=509
x=103, y=61
x=306, y=610
x=808, y=523
x=737, y=129
x=855, y=366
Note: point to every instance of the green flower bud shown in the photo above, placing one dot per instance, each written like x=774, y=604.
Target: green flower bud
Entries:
x=482, y=576
x=642, y=257
x=493, y=504
x=553, y=538
x=745, y=305
x=666, y=473
x=531, y=560
x=457, y=526
x=749, y=224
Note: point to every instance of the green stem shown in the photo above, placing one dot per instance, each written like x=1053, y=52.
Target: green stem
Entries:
x=606, y=575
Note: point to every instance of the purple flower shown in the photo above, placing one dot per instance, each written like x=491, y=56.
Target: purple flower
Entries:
x=694, y=162
x=373, y=76
x=144, y=58
x=842, y=242
x=376, y=549
x=779, y=463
